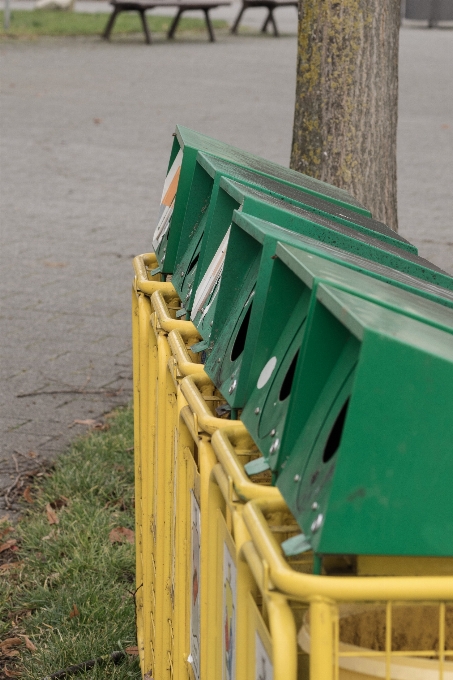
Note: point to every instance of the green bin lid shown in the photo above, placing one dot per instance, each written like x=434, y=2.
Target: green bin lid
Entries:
x=365, y=463
x=198, y=277
x=262, y=290
x=186, y=144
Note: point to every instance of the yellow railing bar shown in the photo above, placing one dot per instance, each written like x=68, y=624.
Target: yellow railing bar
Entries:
x=206, y=421
x=187, y=416
x=185, y=364
x=408, y=652
x=167, y=323
x=243, y=486
x=255, y=563
x=142, y=281
x=345, y=588
x=223, y=482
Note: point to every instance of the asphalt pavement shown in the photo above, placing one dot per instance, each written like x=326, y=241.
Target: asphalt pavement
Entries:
x=85, y=134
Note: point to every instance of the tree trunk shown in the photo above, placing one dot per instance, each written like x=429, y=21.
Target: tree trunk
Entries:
x=347, y=99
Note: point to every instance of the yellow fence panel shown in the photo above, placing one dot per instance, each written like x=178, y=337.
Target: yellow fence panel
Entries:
x=266, y=623
x=146, y=374
x=360, y=627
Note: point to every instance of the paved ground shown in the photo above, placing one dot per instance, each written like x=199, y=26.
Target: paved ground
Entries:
x=85, y=135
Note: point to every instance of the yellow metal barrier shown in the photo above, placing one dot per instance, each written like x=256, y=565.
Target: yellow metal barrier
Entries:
x=138, y=479
x=167, y=322
x=196, y=504
x=194, y=628
x=264, y=619
x=338, y=616
x=158, y=374
x=182, y=361
x=171, y=369
x=188, y=481
x=145, y=372
x=145, y=377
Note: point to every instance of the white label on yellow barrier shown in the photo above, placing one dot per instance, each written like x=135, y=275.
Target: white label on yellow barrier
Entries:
x=195, y=633
x=263, y=665
x=167, y=201
x=229, y=615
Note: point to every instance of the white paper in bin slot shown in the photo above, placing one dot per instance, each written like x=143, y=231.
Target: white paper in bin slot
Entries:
x=211, y=277
x=167, y=201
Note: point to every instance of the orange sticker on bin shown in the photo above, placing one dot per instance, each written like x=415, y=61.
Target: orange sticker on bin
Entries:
x=168, y=197
x=171, y=181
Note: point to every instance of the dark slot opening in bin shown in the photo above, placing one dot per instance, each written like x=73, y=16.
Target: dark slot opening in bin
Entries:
x=239, y=343
x=193, y=263
x=287, y=383
x=334, y=439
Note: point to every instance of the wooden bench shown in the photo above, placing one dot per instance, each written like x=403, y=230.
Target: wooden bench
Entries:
x=270, y=5
x=141, y=6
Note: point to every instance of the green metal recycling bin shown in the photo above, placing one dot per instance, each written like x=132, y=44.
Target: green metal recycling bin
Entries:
x=204, y=219
x=365, y=463
x=250, y=201
x=275, y=338
x=258, y=296
x=181, y=166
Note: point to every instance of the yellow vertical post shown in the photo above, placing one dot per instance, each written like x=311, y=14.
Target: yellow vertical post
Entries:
x=211, y=642
x=182, y=548
x=148, y=496
x=162, y=518
x=388, y=639
x=442, y=613
x=211, y=499
x=171, y=414
x=284, y=638
x=321, y=640
x=245, y=585
x=138, y=481
x=143, y=500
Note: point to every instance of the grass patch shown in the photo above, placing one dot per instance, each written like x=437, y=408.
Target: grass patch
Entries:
x=72, y=566
x=29, y=24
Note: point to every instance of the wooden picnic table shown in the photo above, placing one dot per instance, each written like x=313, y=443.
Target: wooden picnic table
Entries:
x=141, y=6
x=271, y=6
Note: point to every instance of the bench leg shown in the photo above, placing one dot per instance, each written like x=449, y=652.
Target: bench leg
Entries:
x=273, y=22
x=174, y=24
x=266, y=21
x=110, y=22
x=235, y=26
x=209, y=25
x=146, y=30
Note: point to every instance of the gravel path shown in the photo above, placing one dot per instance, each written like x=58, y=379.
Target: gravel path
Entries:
x=85, y=133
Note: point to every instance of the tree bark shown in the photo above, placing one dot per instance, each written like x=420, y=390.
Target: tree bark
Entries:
x=347, y=99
